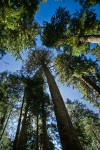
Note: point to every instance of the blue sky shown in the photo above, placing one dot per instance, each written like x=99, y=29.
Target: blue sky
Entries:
x=46, y=10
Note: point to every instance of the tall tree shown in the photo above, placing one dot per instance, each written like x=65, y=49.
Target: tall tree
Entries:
x=76, y=31
x=10, y=91
x=31, y=108
x=41, y=59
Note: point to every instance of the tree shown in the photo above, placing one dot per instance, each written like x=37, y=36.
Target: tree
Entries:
x=15, y=144
x=32, y=110
x=10, y=91
x=76, y=31
x=88, y=93
x=86, y=122
x=41, y=59
x=17, y=25
x=79, y=72
x=86, y=3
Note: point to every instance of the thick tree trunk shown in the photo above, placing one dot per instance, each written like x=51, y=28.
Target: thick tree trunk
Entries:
x=90, y=39
x=15, y=145
x=91, y=84
x=68, y=137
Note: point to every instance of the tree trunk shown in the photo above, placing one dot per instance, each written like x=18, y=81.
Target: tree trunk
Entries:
x=20, y=144
x=5, y=124
x=37, y=131
x=96, y=136
x=45, y=137
x=68, y=137
x=90, y=38
x=15, y=145
x=90, y=83
x=2, y=119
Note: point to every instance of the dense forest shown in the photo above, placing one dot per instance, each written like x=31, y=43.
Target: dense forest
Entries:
x=31, y=118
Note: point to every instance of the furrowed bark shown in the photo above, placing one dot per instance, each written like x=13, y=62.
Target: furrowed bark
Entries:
x=20, y=145
x=18, y=126
x=44, y=128
x=68, y=137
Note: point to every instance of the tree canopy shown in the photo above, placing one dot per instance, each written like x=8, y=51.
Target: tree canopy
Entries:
x=17, y=26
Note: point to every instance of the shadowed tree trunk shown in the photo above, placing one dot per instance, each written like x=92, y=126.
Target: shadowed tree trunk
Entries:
x=37, y=130
x=20, y=144
x=2, y=119
x=68, y=137
x=45, y=137
x=90, y=83
x=5, y=125
x=15, y=145
x=96, y=136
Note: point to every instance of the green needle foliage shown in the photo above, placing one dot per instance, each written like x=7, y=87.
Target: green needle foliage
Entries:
x=96, y=52
x=36, y=104
x=73, y=66
x=17, y=25
x=88, y=3
x=80, y=72
x=86, y=123
x=76, y=31
x=56, y=27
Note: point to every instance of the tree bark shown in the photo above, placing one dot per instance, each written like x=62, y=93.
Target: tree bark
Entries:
x=68, y=137
x=20, y=144
x=90, y=39
x=45, y=137
x=5, y=124
x=90, y=83
x=2, y=120
x=37, y=131
x=15, y=145
x=96, y=136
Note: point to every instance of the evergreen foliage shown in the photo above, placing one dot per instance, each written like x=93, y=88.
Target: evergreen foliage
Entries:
x=86, y=123
x=17, y=25
x=76, y=30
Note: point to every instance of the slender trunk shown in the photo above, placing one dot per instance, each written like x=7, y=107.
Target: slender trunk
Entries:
x=18, y=126
x=89, y=95
x=45, y=137
x=68, y=137
x=37, y=131
x=2, y=120
x=96, y=136
x=20, y=143
x=90, y=83
x=5, y=125
x=90, y=39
